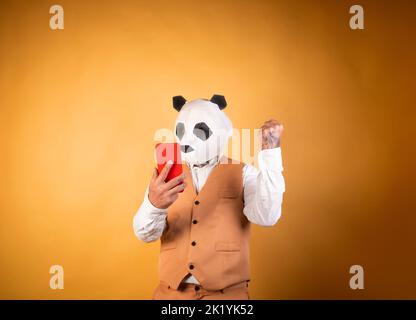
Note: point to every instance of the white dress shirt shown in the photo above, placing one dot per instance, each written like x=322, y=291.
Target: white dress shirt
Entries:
x=263, y=196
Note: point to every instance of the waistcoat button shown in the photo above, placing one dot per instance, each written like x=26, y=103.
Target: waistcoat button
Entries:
x=191, y=267
x=193, y=243
x=196, y=202
x=194, y=221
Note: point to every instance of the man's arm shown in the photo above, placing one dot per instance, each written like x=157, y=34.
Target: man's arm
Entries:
x=263, y=189
x=150, y=220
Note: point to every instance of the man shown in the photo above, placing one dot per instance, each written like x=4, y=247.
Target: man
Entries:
x=203, y=216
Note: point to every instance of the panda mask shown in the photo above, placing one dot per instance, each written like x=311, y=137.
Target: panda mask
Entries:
x=201, y=128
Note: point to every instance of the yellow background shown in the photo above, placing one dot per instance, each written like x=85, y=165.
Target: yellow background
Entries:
x=79, y=107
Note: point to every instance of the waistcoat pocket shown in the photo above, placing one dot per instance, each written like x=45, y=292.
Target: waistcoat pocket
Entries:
x=228, y=192
x=167, y=246
x=227, y=246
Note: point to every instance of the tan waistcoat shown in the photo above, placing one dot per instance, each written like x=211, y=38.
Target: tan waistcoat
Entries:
x=207, y=234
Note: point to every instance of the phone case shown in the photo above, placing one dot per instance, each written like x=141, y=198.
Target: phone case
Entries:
x=166, y=152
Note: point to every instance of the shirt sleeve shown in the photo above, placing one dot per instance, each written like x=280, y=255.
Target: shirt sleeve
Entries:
x=149, y=221
x=264, y=188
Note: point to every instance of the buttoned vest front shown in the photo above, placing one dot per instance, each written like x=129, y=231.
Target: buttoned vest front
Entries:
x=207, y=234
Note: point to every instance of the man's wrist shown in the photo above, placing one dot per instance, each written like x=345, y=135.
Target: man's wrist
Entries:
x=152, y=207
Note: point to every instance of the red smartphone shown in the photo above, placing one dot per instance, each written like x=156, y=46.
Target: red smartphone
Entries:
x=166, y=152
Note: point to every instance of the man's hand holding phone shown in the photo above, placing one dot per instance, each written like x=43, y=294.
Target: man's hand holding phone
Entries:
x=162, y=194
x=168, y=179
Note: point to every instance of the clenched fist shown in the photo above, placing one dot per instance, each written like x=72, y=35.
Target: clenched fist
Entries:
x=162, y=194
x=271, y=131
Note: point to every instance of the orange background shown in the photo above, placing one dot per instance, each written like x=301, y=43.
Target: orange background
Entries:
x=79, y=107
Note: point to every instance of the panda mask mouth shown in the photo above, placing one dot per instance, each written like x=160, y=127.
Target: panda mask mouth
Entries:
x=186, y=148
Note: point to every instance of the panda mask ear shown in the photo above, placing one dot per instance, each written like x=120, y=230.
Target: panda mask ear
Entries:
x=219, y=101
x=178, y=102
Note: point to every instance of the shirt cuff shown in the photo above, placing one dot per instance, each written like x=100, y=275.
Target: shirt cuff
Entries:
x=149, y=207
x=271, y=159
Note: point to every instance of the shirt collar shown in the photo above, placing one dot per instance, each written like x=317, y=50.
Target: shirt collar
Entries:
x=210, y=163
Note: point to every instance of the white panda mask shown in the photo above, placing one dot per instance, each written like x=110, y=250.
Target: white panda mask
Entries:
x=201, y=128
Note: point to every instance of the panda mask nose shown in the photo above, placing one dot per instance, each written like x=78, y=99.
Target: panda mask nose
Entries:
x=186, y=148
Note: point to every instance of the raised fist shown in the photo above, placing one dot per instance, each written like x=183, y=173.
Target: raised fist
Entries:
x=271, y=132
